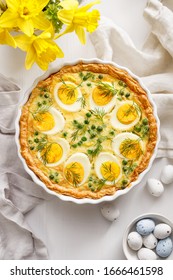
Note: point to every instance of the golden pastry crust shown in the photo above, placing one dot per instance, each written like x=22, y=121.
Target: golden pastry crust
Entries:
x=26, y=130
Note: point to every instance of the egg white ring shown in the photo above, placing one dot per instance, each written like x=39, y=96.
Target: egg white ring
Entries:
x=107, y=108
x=117, y=140
x=76, y=106
x=65, y=148
x=84, y=161
x=59, y=122
x=102, y=158
x=117, y=124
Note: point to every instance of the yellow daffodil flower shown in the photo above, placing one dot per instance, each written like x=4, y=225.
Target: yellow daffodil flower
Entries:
x=40, y=49
x=77, y=18
x=25, y=15
x=6, y=38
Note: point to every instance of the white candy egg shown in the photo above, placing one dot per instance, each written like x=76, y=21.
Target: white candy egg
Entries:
x=49, y=122
x=80, y=165
x=68, y=95
x=121, y=137
x=155, y=187
x=167, y=174
x=108, y=167
x=99, y=101
x=110, y=211
x=55, y=153
x=162, y=231
x=125, y=115
x=146, y=254
x=150, y=241
x=134, y=240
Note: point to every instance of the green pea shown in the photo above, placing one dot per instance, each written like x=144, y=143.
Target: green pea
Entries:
x=32, y=148
x=124, y=162
x=88, y=84
x=79, y=143
x=90, y=178
x=65, y=134
x=36, y=140
x=127, y=94
x=39, y=104
x=121, y=83
x=56, y=173
x=99, y=128
x=80, y=126
x=121, y=92
x=138, y=128
x=44, y=102
x=75, y=121
x=51, y=177
x=86, y=122
x=145, y=121
x=89, y=185
x=93, y=126
x=88, y=115
x=56, y=181
x=125, y=168
x=84, y=139
x=100, y=77
x=89, y=152
x=92, y=189
x=46, y=95
x=74, y=145
x=93, y=135
x=124, y=182
x=36, y=133
x=112, y=132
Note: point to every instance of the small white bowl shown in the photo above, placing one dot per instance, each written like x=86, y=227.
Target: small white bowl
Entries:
x=128, y=252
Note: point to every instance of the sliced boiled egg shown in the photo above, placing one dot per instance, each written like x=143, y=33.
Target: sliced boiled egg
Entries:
x=77, y=169
x=49, y=122
x=128, y=145
x=54, y=153
x=108, y=168
x=125, y=115
x=102, y=98
x=67, y=95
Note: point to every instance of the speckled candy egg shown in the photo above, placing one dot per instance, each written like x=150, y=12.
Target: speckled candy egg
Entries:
x=145, y=226
x=134, y=240
x=150, y=241
x=155, y=187
x=110, y=211
x=167, y=174
x=146, y=254
x=164, y=247
x=162, y=231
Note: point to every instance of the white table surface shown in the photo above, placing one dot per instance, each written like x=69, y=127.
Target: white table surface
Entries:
x=73, y=231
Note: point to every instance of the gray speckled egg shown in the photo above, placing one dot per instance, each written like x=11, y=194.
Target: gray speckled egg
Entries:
x=164, y=247
x=146, y=254
x=134, y=240
x=145, y=226
x=162, y=231
x=167, y=174
x=155, y=187
x=150, y=241
x=110, y=211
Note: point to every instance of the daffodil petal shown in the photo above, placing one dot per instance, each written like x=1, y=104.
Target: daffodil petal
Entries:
x=26, y=26
x=23, y=42
x=69, y=29
x=12, y=4
x=81, y=34
x=40, y=22
x=66, y=16
x=88, y=6
x=42, y=3
x=92, y=21
x=30, y=58
x=7, y=39
x=8, y=19
x=69, y=4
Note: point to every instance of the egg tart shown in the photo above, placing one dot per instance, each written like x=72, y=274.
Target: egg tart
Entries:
x=88, y=130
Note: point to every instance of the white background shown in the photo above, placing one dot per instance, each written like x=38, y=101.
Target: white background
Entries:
x=73, y=231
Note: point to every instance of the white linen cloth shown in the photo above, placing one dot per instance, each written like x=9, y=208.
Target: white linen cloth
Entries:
x=18, y=194
x=153, y=63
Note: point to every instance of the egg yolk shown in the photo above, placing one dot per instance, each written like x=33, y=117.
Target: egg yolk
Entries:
x=127, y=113
x=101, y=97
x=44, y=121
x=110, y=170
x=68, y=94
x=74, y=173
x=52, y=153
x=130, y=149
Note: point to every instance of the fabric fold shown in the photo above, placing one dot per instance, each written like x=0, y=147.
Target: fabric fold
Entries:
x=153, y=63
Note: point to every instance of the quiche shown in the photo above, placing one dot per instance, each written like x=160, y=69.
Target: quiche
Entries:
x=88, y=130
